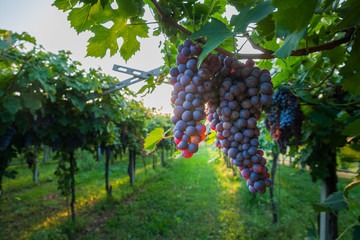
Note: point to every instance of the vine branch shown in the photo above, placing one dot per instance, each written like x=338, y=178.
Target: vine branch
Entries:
x=322, y=82
x=267, y=54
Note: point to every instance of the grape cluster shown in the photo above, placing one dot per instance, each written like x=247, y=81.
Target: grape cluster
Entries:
x=191, y=92
x=234, y=115
x=235, y=94
x=5, y=139
x=284, y=119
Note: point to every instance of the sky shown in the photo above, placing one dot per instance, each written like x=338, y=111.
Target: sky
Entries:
x=52, y=30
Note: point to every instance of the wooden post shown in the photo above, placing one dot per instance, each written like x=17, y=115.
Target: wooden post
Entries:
x=35, y=167
x=131, y=167
x=98, y=153
x=271, y=190
x=328, y=221
x=50, y=153
x=45, y=153
x=143, y=160
x=154, y=161
x=72, y=175
x=108, y=188
x=162, y=158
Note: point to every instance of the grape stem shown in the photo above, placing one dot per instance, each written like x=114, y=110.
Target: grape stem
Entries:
x=257, y=46
x=267, y=54
x=322, y=82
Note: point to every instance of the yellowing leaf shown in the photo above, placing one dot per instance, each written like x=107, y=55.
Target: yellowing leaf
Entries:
x=153, y=138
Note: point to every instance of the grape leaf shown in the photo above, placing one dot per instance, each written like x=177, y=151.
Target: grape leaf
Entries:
x=79, y=18
x=253, y=15
x=350, y=153
x=64, y=5
x=328, y=3
x=293, y=15
x=352, y=83
x=350, y=186
x=290, y=43
x=4, y=44
x=351, y=70
x=31, y=101
x=352, y=129
x=217, y=31
x=351, y=17
x=335, y=55
x=320, y=118
x=211, y=138
x=12, y=103
x=153, y=138
x=266, y=27
x=334, y=202
x=105, y=38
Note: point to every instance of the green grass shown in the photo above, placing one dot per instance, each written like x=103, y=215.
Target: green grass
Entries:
x=190, y=199
x=27, y=207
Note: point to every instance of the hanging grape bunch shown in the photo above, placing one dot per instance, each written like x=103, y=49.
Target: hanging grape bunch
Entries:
x=235, y=94
x=191, y=91
x=284, y=119
x=234, y=115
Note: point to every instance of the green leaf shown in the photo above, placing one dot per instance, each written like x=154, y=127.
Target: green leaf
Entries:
x=350, y=186
x=153, y=138
x=150, y=85
x=351, y=71
x=351, y=15
x=12, y=103
x=352, y=129
x=211, y=138
x=105, y=38
x=293, y=15
x=290, y=43
x=352, y=83
x=79, y=18
x=335, y=55
x=4, y=44
x=327, y=3
x=266, y=27
x=64, y=5
x=31, y=101
x=217, y=31
x=251, y=15
x=320, y=118
x=334, y=202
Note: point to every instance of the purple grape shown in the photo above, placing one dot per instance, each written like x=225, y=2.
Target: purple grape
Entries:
x=265, y=99
x=193, y=148
x=187, y=116
x=181, y=125
x=183, y=145
x=186, y=138
x=174, y=72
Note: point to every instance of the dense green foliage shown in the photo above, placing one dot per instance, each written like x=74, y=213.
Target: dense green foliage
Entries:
x=45, y=99
x=321, y=38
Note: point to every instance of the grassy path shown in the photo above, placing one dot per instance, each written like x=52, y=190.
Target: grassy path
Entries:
x=198, y=199
x=190, y=199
